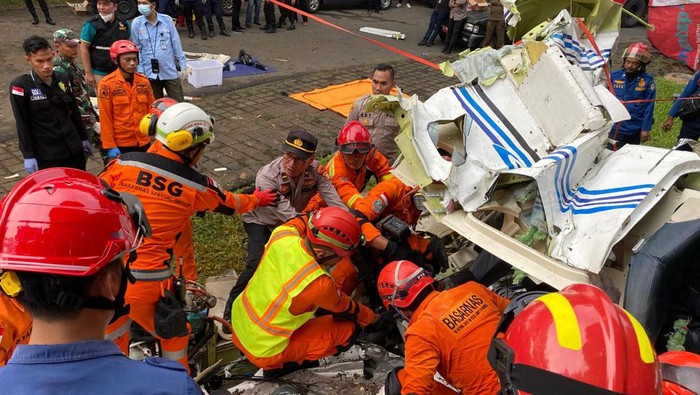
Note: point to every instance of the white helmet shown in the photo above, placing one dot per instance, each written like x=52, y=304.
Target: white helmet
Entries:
x=184, y=125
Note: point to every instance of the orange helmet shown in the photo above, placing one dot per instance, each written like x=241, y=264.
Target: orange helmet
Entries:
x=575, y=341
x=67, y=222
x=335, y=228
x=681, y=372
x=400, y=282
x=354, y=137
x=120, y=47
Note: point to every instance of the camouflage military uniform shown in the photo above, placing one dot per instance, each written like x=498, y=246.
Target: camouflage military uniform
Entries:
x=69, y=71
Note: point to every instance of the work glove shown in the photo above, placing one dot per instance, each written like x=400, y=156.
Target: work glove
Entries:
x=269, y=197
x=395, y=251
x=31, y=165
x=87, y=149
x=386, y=321
x=183, y=75
x=113, y=153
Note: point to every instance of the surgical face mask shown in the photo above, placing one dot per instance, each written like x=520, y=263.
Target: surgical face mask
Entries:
x=145, y=9
x=107, y=18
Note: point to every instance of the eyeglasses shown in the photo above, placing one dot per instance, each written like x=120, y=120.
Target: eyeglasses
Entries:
x=292, y=158
x=350, y=148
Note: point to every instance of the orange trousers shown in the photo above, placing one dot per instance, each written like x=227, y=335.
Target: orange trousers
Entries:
x=317, y=338
x=142, y=297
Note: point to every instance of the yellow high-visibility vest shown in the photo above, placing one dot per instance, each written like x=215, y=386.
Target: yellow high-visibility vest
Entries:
x=260, y=316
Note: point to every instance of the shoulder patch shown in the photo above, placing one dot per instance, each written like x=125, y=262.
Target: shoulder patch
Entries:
x=104, y=93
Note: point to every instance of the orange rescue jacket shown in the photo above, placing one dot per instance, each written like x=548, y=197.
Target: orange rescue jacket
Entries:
x=450, y=333
x=122, y=105
x=171, y=192
x=15, y=326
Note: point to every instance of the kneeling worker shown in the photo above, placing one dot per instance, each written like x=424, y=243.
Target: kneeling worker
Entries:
x=448, y=332
x=273, y=319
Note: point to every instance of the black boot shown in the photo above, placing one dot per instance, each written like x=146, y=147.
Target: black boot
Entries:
x=267, y=26
x=279, y=23
x=190, y=31
x=211, y=31
x=223, y=32
x=291, y=26
x=48, y=18
x=204, y=32
x=271, y=29
x=35, y=19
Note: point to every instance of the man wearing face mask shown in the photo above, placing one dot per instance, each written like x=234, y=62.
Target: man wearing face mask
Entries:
x=632, y=82
x=97, y=36
x=160, y=52
x=88, y=231
x=124, y=98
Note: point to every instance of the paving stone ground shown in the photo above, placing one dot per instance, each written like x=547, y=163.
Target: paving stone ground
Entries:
x=253, y=120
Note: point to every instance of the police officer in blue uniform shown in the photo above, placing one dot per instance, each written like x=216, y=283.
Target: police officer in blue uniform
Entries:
x=631, y=83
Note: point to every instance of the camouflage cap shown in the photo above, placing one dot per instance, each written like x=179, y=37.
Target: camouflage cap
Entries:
x=66, y=36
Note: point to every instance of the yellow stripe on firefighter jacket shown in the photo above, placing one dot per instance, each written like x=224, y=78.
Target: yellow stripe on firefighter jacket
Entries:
x=260, y=316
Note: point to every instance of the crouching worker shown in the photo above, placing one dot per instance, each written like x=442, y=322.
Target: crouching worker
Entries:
x=448, y=332
x=65, y=242
x=273, y=319
x=171, y=191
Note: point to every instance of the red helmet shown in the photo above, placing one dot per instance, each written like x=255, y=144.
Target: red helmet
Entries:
x=66, y=222
x=576, y=341
x=160, y=105
x=400, y=282
x=120, y=47
x=354, y=136
x=681, y=372
x=335, y=228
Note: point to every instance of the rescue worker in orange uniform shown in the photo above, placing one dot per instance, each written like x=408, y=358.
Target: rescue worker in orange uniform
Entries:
x=171, y=191
x=575, y=341
x=448, y=332
x=15, y=323
x=273, y=319
x=123, y=98
x=350, y=168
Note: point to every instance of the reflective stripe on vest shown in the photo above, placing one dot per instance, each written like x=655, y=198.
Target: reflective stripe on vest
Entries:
x=261, y=317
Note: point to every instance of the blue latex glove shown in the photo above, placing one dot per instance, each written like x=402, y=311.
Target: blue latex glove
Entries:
x=113, y=153
x=31, y=165
x=87, y=149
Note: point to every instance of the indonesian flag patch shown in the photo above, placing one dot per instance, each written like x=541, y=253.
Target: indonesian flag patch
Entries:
x=17, y=90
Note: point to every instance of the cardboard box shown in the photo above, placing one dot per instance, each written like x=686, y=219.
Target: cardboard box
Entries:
x=78, y=8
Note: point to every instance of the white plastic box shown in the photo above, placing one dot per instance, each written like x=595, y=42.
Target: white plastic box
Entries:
x=205, y=73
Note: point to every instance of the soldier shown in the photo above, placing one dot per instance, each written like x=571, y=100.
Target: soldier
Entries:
x=67, y=50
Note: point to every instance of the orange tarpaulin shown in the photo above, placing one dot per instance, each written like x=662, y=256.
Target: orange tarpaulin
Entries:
x=338, y=98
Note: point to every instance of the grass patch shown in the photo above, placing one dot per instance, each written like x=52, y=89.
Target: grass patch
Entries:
x=659, y=138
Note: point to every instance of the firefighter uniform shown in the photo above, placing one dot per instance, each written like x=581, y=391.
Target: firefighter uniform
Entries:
x=48, y=122
x=634, y=87
x=15, y=326
x=450, y=333
x=122, y=106
x=382, y=126
x=171, y=192
x=273, y=320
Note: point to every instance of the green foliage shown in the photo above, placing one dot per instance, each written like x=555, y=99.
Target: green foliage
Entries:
x=676, y=339
x=665, y=89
